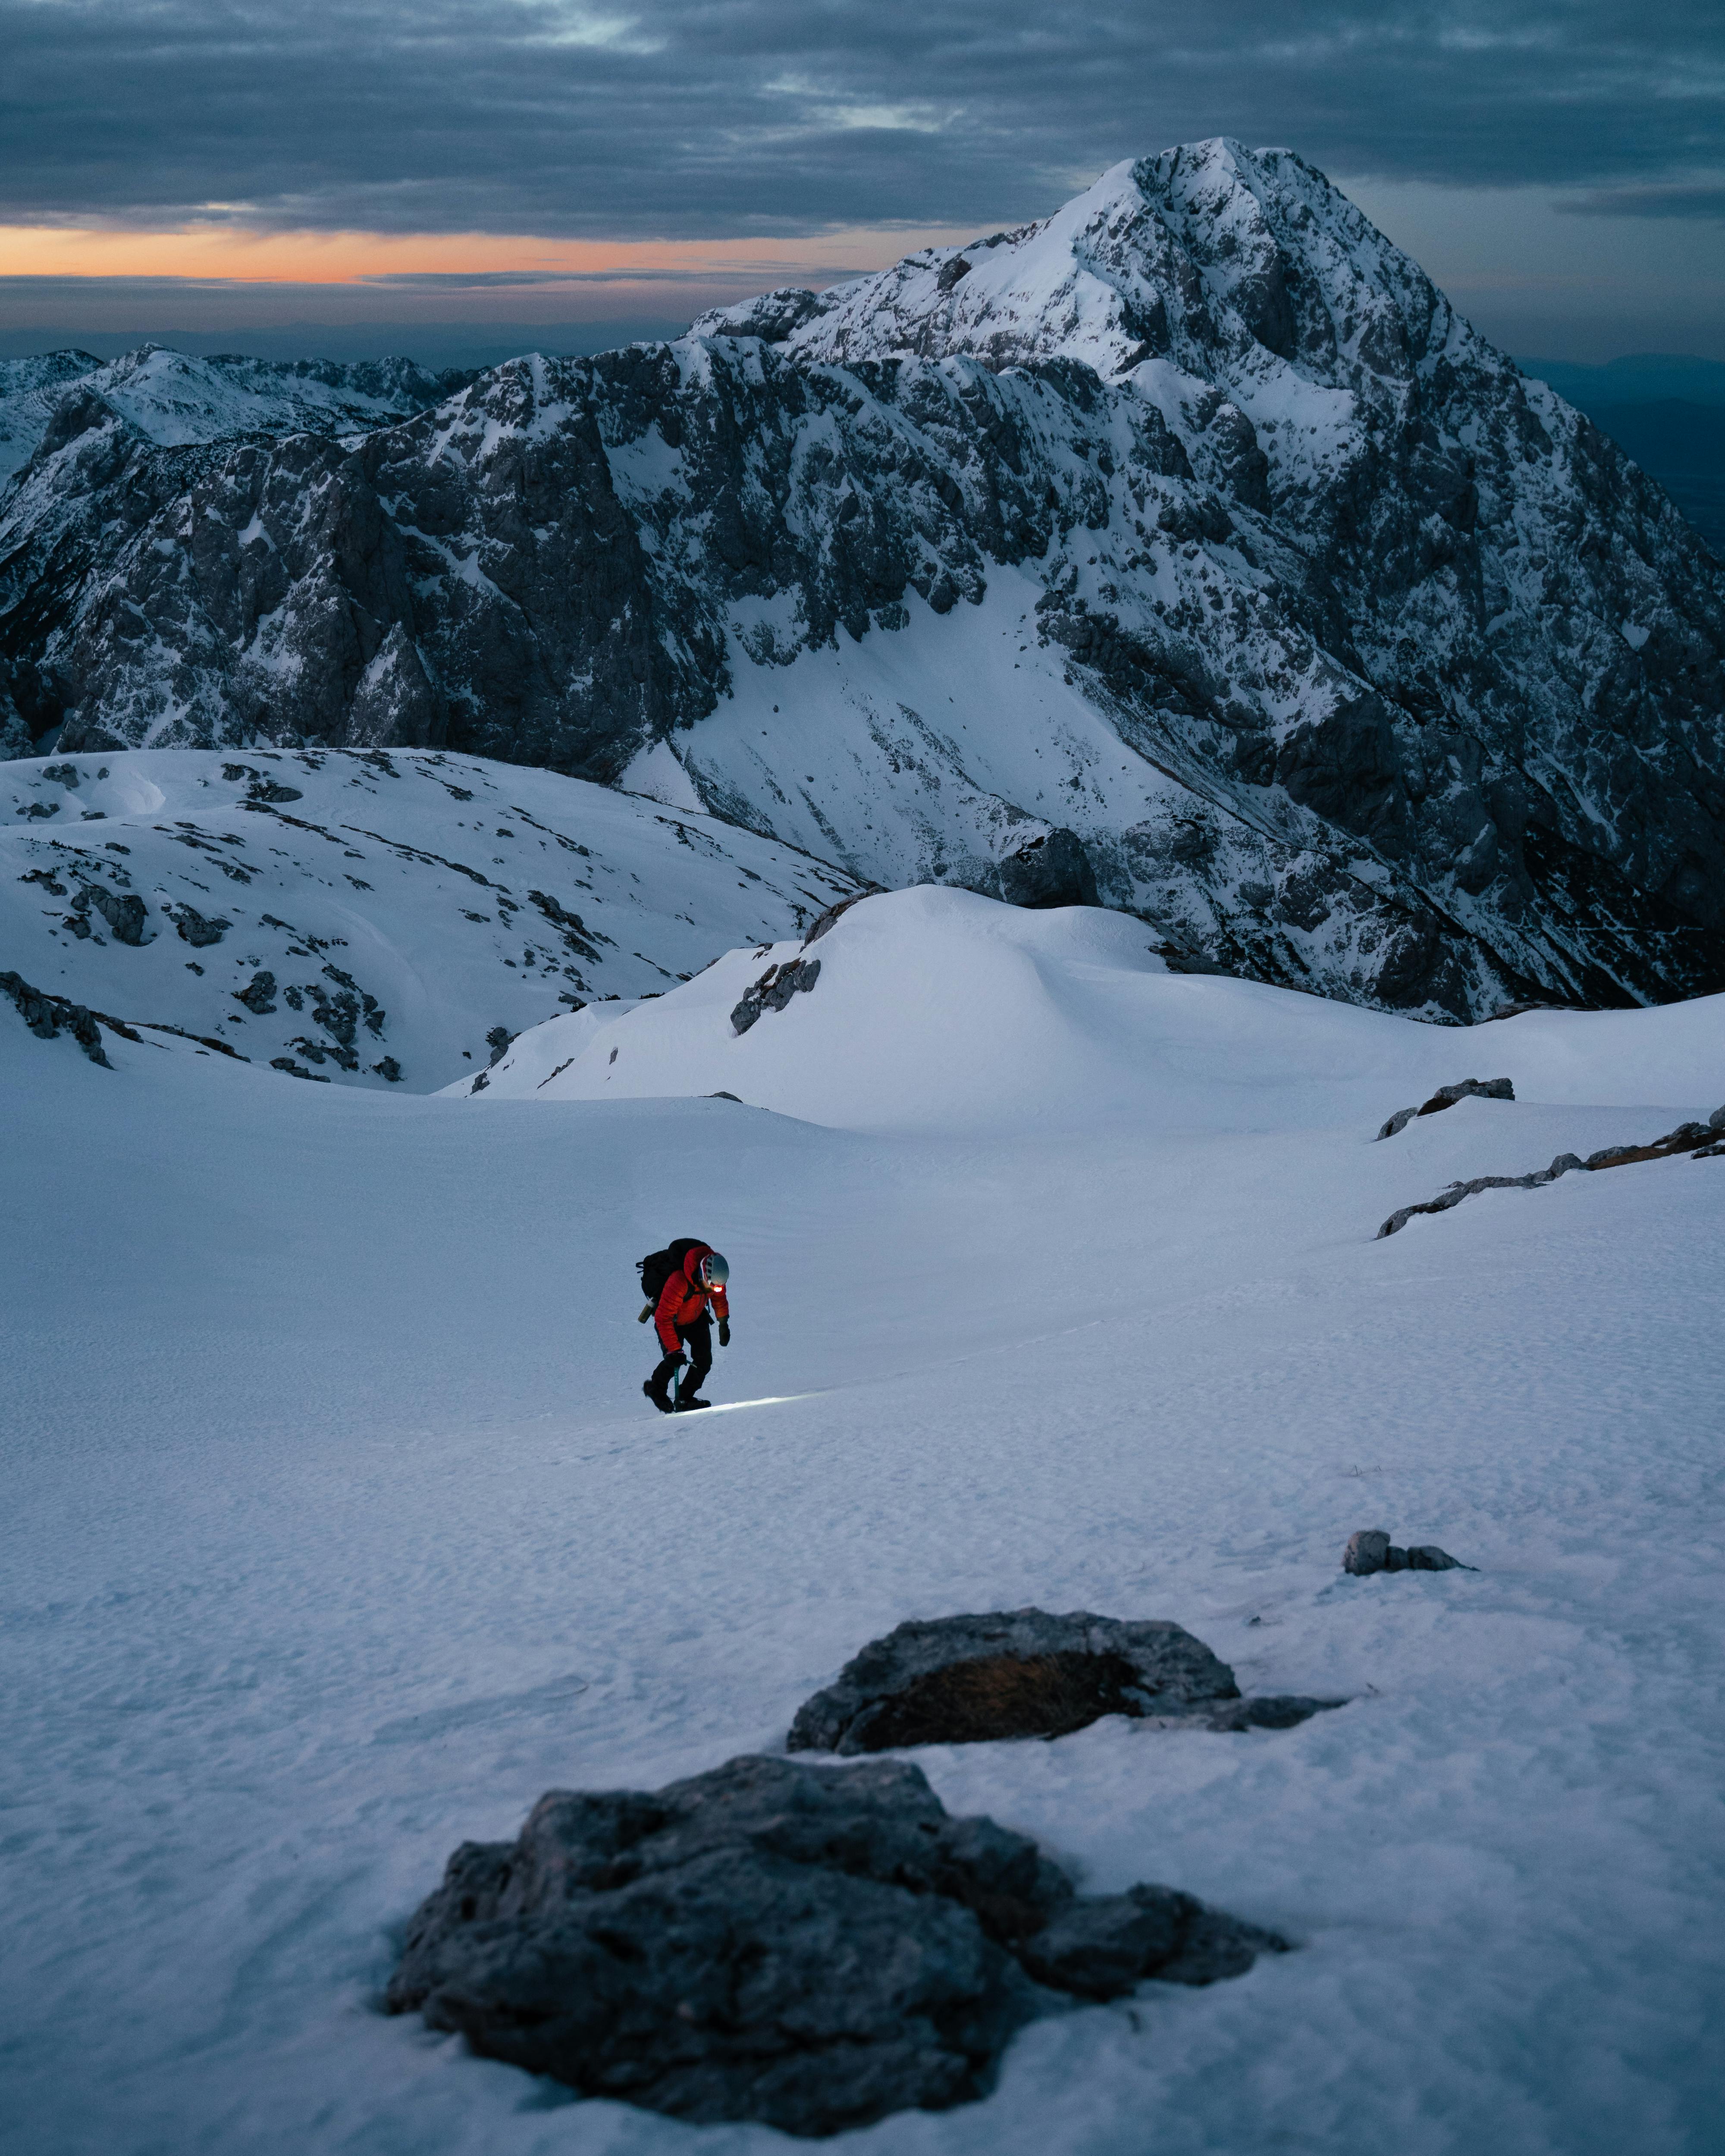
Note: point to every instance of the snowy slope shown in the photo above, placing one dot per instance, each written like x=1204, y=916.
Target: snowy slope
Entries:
x=337, y=1531
x=937, y=1010
x=367, y=918
x=173, y=398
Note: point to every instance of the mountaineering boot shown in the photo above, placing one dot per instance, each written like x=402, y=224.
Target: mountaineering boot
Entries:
x=657, y=1387
x=684, y=1405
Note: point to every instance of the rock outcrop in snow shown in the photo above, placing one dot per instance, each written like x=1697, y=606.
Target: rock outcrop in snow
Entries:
x=811, y=1948
x=1011, y=1673
x=1446, y=1096
x=1187, y=543
x=1697, y=1141
x=1369, y=1550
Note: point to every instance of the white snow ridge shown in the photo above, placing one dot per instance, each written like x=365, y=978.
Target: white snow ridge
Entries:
x=345, y=1075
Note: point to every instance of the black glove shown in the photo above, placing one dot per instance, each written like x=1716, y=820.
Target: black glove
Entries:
x=724, y=1332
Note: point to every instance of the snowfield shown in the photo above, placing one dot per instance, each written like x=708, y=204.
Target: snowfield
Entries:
x=367, y=917
x=337, y=1529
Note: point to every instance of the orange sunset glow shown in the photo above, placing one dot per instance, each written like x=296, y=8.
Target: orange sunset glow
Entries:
x=228, y=252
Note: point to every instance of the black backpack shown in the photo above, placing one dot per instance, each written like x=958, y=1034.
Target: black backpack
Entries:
x=656, y=1268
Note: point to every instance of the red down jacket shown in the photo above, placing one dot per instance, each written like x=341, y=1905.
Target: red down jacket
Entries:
x=683, y=1299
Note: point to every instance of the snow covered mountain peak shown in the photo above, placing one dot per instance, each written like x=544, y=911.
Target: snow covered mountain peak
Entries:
x=1185, y=551
x=1208, y=253
x=1208, y=275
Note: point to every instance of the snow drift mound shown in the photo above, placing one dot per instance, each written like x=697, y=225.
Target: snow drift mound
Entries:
x=365, y=916
x=936, y=1009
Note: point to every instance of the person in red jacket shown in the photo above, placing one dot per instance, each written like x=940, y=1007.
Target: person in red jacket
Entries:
x=692, y=1297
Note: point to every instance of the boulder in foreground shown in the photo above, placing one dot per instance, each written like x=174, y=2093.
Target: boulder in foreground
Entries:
x=809, y=1946
x=975, y=1680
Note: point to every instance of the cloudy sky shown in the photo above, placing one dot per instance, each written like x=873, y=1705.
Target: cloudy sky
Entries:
x=1556, y=164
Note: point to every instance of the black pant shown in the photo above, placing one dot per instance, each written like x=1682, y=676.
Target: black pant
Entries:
x=698, y=1339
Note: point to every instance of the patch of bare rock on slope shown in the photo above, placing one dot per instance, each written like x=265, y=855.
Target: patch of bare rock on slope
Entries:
x=1382, y=673
x=1692, y=1140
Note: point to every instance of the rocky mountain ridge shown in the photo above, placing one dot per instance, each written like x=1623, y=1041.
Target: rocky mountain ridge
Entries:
x=172, y=398
x=1185, y=551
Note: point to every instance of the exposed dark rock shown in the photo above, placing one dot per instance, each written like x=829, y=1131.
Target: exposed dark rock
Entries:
x=773, y=991
x=1101, y=1948
x=1023, y=1673
x=124, y=913
x=197, y=399
x=1687, y=1139
x=497, y=1040
x=1050, y=870
x=195, y=929
x=1366, y=1549
x=1370, y=1550
x=809, y=1947
x=576, y=933
x=259, y=994
x=821, y=921
x=1446, y=1096
x=296, y=1069
x=337, y=1011
x=204, y=1039
x=797, y=978
x=1561, y=1165
x=46, y=1014
x=1266, y=1711
x=389, y=1068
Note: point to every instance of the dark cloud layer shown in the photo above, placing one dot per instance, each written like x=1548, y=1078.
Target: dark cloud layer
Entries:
x=716, y=118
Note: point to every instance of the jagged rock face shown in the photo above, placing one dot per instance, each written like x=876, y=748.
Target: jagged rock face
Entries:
x=1190, y=534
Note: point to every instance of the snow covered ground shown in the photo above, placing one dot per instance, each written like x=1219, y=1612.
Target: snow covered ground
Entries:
x=367, y=917
x=337, y=1530
x=922, y=754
